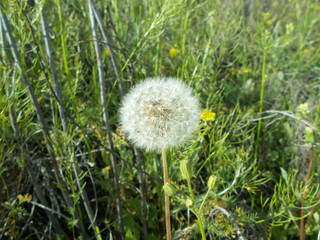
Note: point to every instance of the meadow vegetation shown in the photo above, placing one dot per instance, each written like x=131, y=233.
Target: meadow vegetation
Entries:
x=67, y=170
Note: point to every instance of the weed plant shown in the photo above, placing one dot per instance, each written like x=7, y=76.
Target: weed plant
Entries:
x=251, y=170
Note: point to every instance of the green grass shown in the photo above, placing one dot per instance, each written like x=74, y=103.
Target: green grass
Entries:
x=253, y=63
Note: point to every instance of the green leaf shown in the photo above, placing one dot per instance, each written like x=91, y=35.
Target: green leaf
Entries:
x=284, y=174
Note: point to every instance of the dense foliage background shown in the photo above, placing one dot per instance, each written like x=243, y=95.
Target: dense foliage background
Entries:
x=66, y=169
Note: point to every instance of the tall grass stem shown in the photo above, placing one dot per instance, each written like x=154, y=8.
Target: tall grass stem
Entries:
x=105, y=115
x=38, y=110
x=57, y=88
x=109, y=44
x=263, y=81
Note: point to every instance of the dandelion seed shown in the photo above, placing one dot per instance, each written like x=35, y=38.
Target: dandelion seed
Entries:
x=159, y=113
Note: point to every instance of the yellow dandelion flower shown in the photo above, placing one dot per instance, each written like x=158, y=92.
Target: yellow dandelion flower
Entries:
x=105, y=52
x=105, y=169
x=308, y=51
x=207, y=115
x=24, y=198
x=173, y=52
x=268, y=22
x=246, y=70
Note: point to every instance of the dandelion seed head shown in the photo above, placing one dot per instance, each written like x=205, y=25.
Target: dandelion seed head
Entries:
x=159, y=113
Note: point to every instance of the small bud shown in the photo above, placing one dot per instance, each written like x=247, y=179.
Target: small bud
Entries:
x=185, y=169
x=212, y=181
x=309, y=135
x=189, y=203
x=169, y=189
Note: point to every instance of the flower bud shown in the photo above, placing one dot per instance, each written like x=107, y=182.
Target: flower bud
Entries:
x=309, y=135
x=189, y=203
x=169, y=189
x=212, y=181
x=185, y=169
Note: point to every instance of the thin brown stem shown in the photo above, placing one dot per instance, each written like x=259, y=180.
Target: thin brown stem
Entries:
x=166, y=197
x=312, y=211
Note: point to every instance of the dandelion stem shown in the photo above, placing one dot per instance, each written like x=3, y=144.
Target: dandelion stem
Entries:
x=166, y=197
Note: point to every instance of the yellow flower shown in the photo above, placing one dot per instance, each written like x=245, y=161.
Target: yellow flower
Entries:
x=106, y=169
x=173, y=52
x=268, y=22
x=105, y=52
x=246, y=70
x=24, y=198
x=267, y=18
x=207, y=115
x=305, y=51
